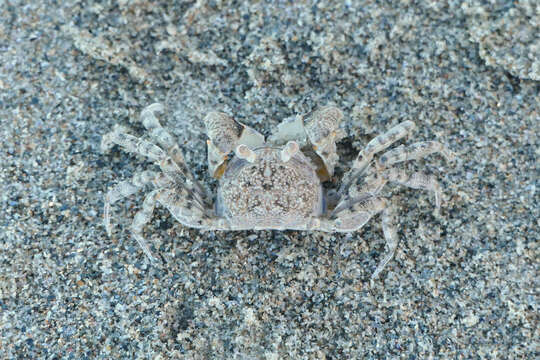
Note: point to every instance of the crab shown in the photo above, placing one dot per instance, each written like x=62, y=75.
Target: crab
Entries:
x=274, y=183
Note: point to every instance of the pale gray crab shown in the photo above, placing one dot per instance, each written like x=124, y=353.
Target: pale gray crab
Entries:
x=273, y=183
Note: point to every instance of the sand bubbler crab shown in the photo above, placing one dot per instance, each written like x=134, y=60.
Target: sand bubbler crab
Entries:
x=273, y=183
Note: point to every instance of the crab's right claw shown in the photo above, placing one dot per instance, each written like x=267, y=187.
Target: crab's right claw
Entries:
x=225, y=135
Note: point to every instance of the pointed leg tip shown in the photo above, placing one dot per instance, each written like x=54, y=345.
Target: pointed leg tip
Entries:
x=108, y=228
x=106, y=144
x=437, y=205
x=158, y=262
x=155, y=107
x=147, y=114
x=375, y=276
x=451, y=156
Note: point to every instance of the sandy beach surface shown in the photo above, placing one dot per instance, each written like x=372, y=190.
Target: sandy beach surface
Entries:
x=462, y=285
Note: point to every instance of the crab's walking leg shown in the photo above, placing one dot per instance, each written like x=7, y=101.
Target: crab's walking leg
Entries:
x=127, y=188
x=377, y=144
x=179, y=169
x=362, y=187
x=156, y=131
x=184, y=179
x=188, y=212
x=165, y=139
x=354, y=215
x=389, y=225
x=414, y=152
x=131, y=143
x=172, y=163
x=359, y=213
x=382, y=142
x=180, y=202
x=141, y=219
x=372, y=183
x=415, y=180
x=323, y=132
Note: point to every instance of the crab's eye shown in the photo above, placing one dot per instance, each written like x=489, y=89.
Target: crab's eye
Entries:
x=244, y=152
x=290, y=149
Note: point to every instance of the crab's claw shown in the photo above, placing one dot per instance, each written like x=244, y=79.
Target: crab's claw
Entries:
x=225, y=135
x=323, y=132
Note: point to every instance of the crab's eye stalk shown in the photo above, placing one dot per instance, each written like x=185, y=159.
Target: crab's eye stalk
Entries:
x=244, y=152
x=290, y=149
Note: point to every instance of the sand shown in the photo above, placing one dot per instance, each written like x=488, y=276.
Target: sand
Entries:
x=463, y=284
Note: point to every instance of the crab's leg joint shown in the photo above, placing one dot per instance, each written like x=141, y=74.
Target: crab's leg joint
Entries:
x=415, y=151
x=382, y=142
